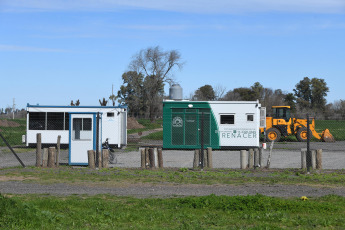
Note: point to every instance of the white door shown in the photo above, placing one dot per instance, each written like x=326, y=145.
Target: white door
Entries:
x=82, y=136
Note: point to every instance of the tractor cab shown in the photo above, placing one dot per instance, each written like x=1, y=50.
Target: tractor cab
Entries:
x=281, y=112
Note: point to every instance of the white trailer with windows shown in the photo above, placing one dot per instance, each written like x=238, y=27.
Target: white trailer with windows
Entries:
x=52, y=121
x=217, y=124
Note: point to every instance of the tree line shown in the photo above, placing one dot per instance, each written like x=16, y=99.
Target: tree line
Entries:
x=151, y=68
x=308, y=96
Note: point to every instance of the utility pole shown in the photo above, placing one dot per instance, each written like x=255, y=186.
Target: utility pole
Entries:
x=13, y=108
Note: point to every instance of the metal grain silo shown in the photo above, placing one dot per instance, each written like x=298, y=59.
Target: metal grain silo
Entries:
x=175, y=92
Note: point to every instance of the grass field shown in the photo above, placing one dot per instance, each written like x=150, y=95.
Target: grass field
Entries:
x=45, y=211
x=119, y=176
x=208, y=212
x=336, y=127
x=147, y=124
x=13, y=135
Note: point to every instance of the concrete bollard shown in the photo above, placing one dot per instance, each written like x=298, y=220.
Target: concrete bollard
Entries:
x=244, y=159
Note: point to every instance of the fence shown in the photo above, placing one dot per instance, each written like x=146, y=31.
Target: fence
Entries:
x=189, y=131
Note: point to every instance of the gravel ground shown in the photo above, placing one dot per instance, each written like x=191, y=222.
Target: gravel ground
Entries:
x=146, y=190
x=285, y=155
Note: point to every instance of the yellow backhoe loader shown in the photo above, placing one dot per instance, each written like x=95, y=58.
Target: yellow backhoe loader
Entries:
x=282, y=124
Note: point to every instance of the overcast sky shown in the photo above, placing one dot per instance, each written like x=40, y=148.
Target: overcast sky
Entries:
x=55, y=51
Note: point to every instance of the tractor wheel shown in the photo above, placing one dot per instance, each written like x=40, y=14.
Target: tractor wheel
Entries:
x=273, y=134
x=302, y=134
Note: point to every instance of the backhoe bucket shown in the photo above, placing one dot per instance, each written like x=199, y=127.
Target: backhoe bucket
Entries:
x=327, y=136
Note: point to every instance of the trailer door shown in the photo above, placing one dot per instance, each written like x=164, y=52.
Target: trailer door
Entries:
x=82, y=134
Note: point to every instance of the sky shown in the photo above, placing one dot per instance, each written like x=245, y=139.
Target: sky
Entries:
x=55, y=51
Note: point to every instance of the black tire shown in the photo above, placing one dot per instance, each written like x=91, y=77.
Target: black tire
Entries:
x=273, y=134
x=302, y=134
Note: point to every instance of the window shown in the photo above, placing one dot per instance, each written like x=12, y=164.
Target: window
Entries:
x=82, y=129
x=110, y=114
x=55, y=121
x=227, y=119
x=250, y=117
x=37, y=121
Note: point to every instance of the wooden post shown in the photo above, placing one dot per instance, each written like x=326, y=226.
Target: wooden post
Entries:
x=260, y=156
x=244, y=159
x=45, y=158
x=58, y=151
x=105, y=153
x=152, y=158
x=51, y=157
x=155, y=153
x=256, y=158
x=251, y=159
x=196, y=158
x=209, y=157
x=91, y=158
x=99, y=159
x=319, y=159
x=38, y=150
x=205, y=158
x=147, y=158
x=270, y=155
x=142, y=154
x=303, y=158
x=160, y=158
x=313, y=159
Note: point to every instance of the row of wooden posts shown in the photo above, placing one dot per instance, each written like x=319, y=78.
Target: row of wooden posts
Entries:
x=151, y=158
x=316, y=159
x=100, y=161
x=50, y=157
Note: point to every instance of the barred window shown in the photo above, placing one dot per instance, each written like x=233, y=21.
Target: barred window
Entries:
x=37, y=120
x=227, y=119
x=55, y=121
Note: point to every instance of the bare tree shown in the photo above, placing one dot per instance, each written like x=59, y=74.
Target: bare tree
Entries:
x=157, y=67
x=219, y=91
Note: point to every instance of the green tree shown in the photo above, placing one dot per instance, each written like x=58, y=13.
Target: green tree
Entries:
x=290, y=100
x=257, y=91
x=204, y=93
x=131, y=93
x=311, y=94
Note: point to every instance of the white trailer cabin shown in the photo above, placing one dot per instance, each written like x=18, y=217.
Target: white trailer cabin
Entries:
x=52, y=121
x=229, y=125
